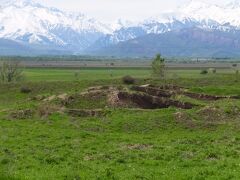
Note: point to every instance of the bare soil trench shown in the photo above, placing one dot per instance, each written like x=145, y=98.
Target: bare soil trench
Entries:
x=147, y=96
x=169, y=91
x=142, y=97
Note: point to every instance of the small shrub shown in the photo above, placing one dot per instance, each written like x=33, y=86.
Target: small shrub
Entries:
x=212, y=70
x=10, y=72
x=204, y=72
x=5, y=161
x=25, y=90
x=237, y=72
x=158, y=66
x=76, y=75
x=128, y=80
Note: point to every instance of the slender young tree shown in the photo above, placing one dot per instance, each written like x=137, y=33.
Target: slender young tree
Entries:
x=10, y=72
x=158, y=66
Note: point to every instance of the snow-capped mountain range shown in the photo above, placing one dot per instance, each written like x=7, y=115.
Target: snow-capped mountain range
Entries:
x=35, y=26
x=26, y=21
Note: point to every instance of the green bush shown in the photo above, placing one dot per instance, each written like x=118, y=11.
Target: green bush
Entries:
x=204, y=72
x=128, y=80
x=25, y=90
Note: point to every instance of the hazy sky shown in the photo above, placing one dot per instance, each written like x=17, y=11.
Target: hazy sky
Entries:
x=109, y=10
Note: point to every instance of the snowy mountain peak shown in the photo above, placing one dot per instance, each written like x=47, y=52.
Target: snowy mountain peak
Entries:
x=234, y=4
x=122, y=23
x=204, y=11
x=29, y=22
x=22, y=3
x=197, y=5
x=194, y=5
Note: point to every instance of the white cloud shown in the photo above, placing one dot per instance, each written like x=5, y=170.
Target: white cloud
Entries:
x=109, y=10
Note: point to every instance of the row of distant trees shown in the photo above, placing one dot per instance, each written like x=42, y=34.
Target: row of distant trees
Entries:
x=11, y=71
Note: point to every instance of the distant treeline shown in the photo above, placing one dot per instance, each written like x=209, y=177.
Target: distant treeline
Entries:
x=112, y=58
x=66, y=58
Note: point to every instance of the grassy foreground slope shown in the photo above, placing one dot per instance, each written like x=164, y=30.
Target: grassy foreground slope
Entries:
x=126, y=143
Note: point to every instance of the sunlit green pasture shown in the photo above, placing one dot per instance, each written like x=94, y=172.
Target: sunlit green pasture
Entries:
x=126, y=143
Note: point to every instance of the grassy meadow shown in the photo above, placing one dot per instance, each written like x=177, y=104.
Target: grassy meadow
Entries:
x=125, y=143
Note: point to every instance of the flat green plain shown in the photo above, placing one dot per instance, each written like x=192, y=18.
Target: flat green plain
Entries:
x=126, y=143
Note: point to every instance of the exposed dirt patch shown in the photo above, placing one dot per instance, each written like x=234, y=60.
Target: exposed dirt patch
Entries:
x=146, y=101
x=212, y=114
x=114, y=100
x=153, y=91
x=233, y=111
x=171, y=90
x=45, y=110
x=50, y=98
x=38, y=98
x=207, y=97
x=140, y=147
x=94, y=100
x=86, y=113
x=184, y=119
x=22, y=114
x=89, y=158
x=168, y=87
x=63, y=97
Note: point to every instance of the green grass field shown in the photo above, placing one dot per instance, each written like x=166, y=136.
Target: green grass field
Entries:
x=126, y=143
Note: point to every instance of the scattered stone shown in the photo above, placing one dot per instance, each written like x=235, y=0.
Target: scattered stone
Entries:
x=144, y=86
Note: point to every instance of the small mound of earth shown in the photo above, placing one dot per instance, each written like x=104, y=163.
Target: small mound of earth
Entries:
x=45, y=110
x=172, y=90
x=212, y=114
x=184, y=119
x=62, y=97
x=153, y=91
x=94, y=100
x=206, y=97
